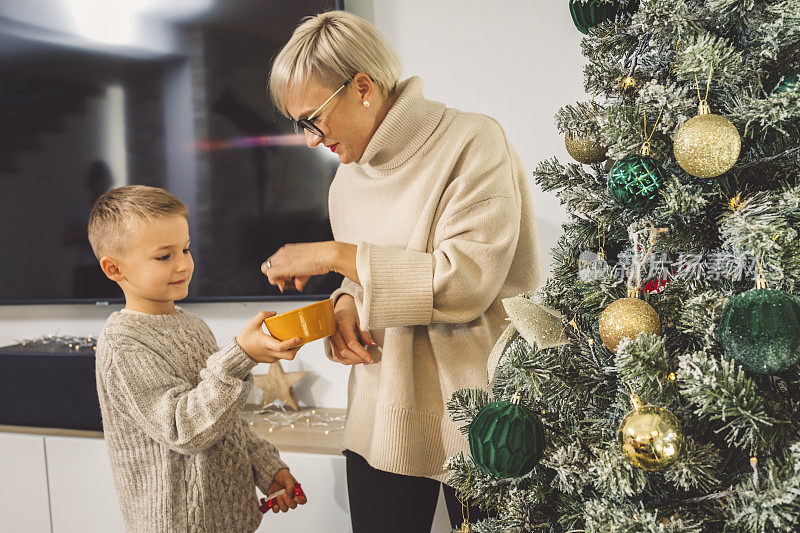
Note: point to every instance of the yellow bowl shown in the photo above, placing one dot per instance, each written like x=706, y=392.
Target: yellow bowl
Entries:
x=310, y=323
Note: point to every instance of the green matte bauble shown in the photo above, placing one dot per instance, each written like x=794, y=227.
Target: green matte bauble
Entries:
x=584, y=148
x=588, y=14
x=506, y=439
x=634, y=181
x=760, y=329
x=626, y=318
x=651, y=438
x=707, y=145
x=789, y=83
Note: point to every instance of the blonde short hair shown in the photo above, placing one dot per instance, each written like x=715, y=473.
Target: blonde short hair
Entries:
x=331, y=48
x=116, y=213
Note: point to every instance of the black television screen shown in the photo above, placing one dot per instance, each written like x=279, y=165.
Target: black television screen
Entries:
x=171, y=96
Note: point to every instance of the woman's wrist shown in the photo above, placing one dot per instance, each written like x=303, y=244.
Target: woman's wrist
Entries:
x=343, y=260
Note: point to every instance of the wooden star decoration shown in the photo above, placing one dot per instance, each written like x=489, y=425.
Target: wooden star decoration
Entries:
x=277, y=385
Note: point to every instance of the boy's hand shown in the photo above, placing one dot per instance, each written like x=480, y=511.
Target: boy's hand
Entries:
x=284, y=480
x=265, y=348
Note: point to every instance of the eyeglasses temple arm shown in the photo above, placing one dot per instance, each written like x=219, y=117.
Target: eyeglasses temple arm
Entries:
x=314, y=114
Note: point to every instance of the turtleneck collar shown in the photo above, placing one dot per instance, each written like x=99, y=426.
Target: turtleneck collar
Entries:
x=408, y=124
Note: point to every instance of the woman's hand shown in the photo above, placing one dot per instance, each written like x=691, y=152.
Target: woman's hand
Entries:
x=347, y=344
x=295, y=263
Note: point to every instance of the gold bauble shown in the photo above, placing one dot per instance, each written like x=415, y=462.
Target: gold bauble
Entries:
x=584, y=148
x=651, y=437
x=707, y=145
x=626, y=318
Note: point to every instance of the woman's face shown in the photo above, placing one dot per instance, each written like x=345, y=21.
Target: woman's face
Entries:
x=346, y=123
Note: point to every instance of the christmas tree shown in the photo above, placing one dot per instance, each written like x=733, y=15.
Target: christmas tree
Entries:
x=652, y=383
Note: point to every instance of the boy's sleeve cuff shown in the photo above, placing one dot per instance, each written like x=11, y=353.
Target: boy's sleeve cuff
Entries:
x=231, y=360
x=398, y=286
x=265, y=473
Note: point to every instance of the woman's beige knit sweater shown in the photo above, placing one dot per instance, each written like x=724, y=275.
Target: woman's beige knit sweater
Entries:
x=441, y=211
x=183, y=459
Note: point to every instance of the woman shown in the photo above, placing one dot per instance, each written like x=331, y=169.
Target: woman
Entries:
x=434, y=226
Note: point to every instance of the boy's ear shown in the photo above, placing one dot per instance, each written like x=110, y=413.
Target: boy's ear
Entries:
x=111, y=269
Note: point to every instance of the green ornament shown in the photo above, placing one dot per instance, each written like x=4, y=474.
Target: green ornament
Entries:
x=789, y=84
x=760, y=329
x=591, y=13
x=634, y=181
x=506, y=439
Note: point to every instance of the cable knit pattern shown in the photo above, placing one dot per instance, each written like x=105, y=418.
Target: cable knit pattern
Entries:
x=183, y=459
x=441, y=211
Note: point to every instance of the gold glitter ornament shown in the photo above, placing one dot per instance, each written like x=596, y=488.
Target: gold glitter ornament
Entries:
x=650, y=437
x=707, y=145
x=626, y=318
x=585, y=149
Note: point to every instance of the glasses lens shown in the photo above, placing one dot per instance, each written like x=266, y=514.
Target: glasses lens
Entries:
x=309, y=126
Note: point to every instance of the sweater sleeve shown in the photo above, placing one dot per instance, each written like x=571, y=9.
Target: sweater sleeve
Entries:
x=348, y=287
x=263, y=455
x=473, y=245
x=188, y=419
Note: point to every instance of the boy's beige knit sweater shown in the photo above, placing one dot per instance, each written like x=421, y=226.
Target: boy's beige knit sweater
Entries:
x=182, y=458
x=441, y=211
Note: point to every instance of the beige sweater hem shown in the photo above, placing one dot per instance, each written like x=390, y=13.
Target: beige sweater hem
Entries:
x=390, y=437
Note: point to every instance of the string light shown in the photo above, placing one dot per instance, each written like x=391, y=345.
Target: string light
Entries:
x=736, y=203
x=63, y=342
x=628, y=82
x=754, y=465
x=277, y=416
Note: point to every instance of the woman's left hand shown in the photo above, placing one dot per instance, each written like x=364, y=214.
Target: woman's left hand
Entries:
x=296, y=263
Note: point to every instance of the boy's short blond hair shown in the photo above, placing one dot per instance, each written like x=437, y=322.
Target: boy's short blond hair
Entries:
x=116, y=213
x=331, y=48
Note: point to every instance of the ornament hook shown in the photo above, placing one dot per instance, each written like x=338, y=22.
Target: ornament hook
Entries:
x=515, y=398
x=636, y=402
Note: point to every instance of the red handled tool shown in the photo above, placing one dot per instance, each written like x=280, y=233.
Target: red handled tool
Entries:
x=272, y=500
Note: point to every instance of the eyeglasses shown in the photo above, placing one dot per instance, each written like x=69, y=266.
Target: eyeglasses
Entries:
x=308, y=125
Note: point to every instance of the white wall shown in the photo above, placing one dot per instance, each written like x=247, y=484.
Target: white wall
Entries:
x=122, y=28
x=516, y=60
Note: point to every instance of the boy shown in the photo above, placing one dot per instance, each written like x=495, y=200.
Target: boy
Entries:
x=183, y=459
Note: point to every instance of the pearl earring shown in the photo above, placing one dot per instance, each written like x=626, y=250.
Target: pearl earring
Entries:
x=366, y=104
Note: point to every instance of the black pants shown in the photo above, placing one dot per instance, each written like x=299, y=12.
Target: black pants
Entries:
x=383, y=502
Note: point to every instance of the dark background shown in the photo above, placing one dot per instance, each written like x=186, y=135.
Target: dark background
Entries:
x=195, y=120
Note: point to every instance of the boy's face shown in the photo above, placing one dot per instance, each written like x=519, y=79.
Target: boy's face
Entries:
x=157, y=266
